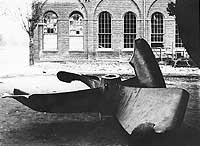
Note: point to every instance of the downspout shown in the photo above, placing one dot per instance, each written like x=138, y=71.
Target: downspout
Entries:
x=86, y=30
x=144, y=18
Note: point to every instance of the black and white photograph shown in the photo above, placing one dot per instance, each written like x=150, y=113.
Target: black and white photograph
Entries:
x=99, y=73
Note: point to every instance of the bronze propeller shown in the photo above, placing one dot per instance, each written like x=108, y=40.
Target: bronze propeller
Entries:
x=136, y=101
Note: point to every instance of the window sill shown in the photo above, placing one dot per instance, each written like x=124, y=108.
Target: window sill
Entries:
x=179, y=49
x=76, y=35
x=104, y=50
x=50, y=51
x=76, y=50
x=45, y=33
x=128, y=50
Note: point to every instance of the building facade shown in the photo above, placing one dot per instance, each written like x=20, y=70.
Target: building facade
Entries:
x=105, y=29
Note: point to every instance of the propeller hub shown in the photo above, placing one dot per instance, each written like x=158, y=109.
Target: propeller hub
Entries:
x=110, y=85
x=110, y=81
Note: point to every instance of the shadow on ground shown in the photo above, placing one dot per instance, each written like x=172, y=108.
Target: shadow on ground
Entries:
x=93, y=133
x=185, y=136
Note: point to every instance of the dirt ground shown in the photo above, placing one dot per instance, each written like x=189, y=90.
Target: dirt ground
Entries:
x=20, y=125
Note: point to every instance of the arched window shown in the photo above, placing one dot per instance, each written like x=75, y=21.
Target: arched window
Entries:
x=157, y=30
x=76, y=31
x=104, y=30
x=76, y=23
x=129, y=29
x=50, y=31
x=178, y=41
x=50, y=20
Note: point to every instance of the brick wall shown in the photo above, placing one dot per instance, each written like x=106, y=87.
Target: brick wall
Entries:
x=90, y=11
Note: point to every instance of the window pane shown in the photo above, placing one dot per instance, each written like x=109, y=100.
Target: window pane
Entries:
x=104, y=30
x=50, y=19
x=178, y=41
x=76, y=24
x=157, y=29
x=129, y=29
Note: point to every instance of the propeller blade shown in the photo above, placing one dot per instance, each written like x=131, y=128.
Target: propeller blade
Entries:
x=69, y=102
x=90, y=81
x=19, y=92
x=162, y=107
x=131, y=82
x=146, y=67
x=92, y=77
x=6, y=95
x=148, y=73
x=187, y=18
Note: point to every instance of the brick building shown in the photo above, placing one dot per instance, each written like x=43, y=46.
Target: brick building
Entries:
x=104, y=29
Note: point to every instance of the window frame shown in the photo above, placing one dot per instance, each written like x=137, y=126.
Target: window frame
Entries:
x=50, y=36
x=46, y=25
x=129, y=29
x=82, y=25
x=178, y=40
x=79, y=26
x=157, y=30
x=105, y=31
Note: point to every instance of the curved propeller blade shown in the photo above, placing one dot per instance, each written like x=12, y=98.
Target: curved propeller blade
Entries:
x=187, y=18
x=89, y=100
x=90, y=81
x=162, y=107
x=146, y=67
